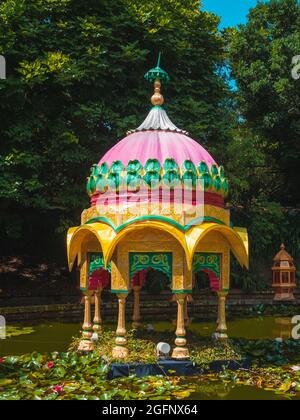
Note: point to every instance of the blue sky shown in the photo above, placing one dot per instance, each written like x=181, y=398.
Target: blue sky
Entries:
x=232, y=12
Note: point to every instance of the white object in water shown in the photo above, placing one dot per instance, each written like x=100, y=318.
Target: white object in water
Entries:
x=163, y=349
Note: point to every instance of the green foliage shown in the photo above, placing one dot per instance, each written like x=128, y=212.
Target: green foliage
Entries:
x=64, y=102
x=68, y=376
x=263, y=154
x=17, y=331
x=72, y=376
x=261, y=54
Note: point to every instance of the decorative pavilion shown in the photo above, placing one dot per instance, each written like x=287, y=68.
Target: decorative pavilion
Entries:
x=157, y=201
x=284, y=276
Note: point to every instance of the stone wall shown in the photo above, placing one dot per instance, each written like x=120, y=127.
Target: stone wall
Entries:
x=160, y=307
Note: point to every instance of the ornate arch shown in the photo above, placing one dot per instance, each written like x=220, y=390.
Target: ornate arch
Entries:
x=77, y=237
x=178, y=235
x=236, y=238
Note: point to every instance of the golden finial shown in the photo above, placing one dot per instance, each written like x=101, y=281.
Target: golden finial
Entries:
x=157, y=75
x=157, y=99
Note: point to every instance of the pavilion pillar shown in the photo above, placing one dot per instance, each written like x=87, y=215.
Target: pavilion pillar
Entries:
x=136, y=318
x=120, y=350
x=86, y=344
x=187, y=320
x=180, y=352
x=97, y=324
x=222, y=326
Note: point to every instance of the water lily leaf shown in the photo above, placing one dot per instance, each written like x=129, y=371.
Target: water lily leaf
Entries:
x=286, y=386
x=4, y=382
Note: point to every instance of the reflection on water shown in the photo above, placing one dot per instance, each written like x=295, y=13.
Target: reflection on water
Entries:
x=45, y=338
x=283, y=328
x=57, y=336
x=230, y=391
x=261, y=328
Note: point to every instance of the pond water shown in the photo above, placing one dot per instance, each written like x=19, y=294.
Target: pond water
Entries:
x=57, y=337
x=229, y=392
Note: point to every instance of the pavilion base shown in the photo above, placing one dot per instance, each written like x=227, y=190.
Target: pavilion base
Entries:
x=85, y=346
x=221, y=336
x=120, y=352
x=173, y=368
x=181, y=353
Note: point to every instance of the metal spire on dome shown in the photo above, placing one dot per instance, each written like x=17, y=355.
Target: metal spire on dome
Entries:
x=157, y=73
x=157, y=118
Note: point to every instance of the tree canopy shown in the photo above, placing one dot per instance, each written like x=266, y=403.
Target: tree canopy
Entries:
x=75, y=86
x=262, y=53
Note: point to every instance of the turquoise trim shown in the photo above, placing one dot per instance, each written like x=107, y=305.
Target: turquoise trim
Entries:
x=158, y=218
x=182, y=292
x=95, y=262
x=121, y=292
x=211, y=261
x=161, y=261
x=205, y=220
x=101, y=219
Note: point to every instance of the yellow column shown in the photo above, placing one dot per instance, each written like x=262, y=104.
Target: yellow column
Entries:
x=120, y=351
x=180, y=352
x=86, y=344
x=218, y=310
x=97, y=325
x=136, y=318
x=187, y=320
x=222, y=326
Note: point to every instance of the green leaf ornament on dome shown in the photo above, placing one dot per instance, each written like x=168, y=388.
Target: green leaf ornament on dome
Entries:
x=95, y=170
x=117, y=167
x=171, y=179
x=203, y=168
x=134, y=182
x=206, y=181
x=152, y=179
x=188, y=165
x=102, y=184
x=104, y=168
x=217, y=183
x=171, y=165
x=214, y=170
x=91, y=185
x=114, y=180
x=134, y=166
x=222, y=171
x=152, y=165
x=189, y=179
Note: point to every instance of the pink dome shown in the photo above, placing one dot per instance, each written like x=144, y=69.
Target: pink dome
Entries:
x=160, y=145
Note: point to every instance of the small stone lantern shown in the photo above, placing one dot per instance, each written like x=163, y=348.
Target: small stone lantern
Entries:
x=284, y=276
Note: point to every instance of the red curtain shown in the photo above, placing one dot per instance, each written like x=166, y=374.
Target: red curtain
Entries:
x=99, y=279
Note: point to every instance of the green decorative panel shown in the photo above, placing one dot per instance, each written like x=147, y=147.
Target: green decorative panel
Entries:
x=161, y=261
x=96, y=262
x=207, y=261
